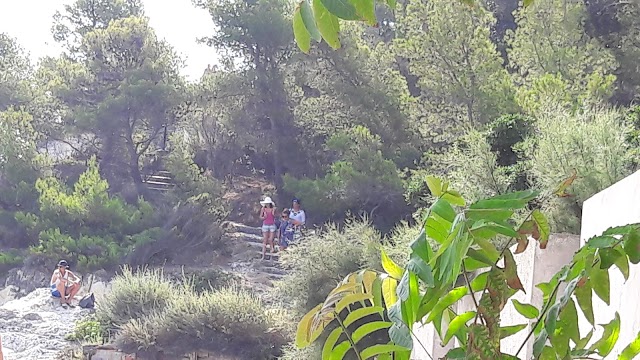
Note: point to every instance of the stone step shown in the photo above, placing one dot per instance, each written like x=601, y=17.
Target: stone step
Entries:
x=242, y=236
x=159, y=183
x=238, y=227
x=155, y=188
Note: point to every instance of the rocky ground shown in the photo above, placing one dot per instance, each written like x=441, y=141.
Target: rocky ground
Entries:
x=34, y=327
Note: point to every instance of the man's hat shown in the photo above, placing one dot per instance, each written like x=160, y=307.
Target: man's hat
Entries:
x=63, y=263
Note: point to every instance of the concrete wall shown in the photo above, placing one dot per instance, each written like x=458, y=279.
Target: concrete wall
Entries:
x=534, y=266
x=617, y=205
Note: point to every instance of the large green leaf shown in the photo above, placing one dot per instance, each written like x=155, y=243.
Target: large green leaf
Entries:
x=366, y=9
x=507, y=331
x=457, y=324
x=526, y=310
x=351, y=299
x=511, y=271
x=584, y=297
x=305, y=332
x=390, y=266
x=309, y=20
x=330, y=343
x=369, y=328
x=443, y=209
x=566, y=330
x=422, y=269
x=341, y=8
x=328, y=24
x=539, y=343
x=608, y=257
x=551, y=319
x=600, y=284
x=454, y=198
x=451, y=298
x=496, y=215
x=609, y=337
x=362, y=313
x=544, y=230
x=379, y=349
x=421, y=248
x=602, y=241
x=300, y=32
x=622, y=263
x=632, y=350
x=510, y=201
x=400, y=335
x=632, y=246
x=435, y=185
x=389, y=286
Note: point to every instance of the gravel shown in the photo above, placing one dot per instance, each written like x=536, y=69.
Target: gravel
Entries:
x=34, y=327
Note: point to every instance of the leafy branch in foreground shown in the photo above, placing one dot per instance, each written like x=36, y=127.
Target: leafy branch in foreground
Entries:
x=426, y=291
x=320, y=19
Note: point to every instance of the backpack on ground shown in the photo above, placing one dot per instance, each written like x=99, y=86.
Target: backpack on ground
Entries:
x=88, y=301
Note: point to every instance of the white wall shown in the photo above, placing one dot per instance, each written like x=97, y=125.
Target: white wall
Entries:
x=617, y=205
x=534, y=266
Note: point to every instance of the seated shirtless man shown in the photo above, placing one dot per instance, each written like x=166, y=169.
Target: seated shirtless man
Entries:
x=64, y=284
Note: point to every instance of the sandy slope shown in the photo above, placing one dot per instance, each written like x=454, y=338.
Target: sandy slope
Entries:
x=34, y=327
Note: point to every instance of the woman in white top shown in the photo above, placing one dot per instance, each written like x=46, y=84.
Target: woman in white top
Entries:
x=64, y=284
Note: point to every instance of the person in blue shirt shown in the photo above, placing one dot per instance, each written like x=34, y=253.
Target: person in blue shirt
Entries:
x=286, y=230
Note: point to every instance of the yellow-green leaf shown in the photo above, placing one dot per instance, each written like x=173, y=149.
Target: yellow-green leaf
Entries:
x=609, y=337
x=391, y=267
x=368, y=328
x=304, y=333
x=526, y=310
x=543, y=227
x=351, y=299
x=366, y=10
x=380, y=349
x=457, y=324
x=300, y=32
x=330, y=343
x=389, y=286
x=361, y=313
x=507, y=331
x=632, y=350
x=435, y=185
x=328, y=24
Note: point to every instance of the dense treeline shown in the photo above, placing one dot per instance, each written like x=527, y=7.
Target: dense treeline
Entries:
x=495, y=97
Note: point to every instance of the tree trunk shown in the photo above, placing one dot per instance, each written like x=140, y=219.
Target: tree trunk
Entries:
x=134, y=166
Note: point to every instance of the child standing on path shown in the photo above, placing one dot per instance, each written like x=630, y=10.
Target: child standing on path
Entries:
x=286, y=230
x=268, y=216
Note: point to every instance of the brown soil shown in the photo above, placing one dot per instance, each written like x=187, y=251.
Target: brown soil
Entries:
x=244, y=195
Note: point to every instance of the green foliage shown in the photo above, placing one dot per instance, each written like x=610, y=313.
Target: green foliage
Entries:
x=324, y=260
x=10, y=259
x=136, y=294
x=19, y=161
x=361, y=179
x=464, y=71
x=550, y=39
x=154, y=314
x=15, y=72
x=86, y=223
x=424, y=290
x=592, y=142
x=89, y=331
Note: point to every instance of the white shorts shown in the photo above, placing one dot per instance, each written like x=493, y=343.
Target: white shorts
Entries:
x=268, y=228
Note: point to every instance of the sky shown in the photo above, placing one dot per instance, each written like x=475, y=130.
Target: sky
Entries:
x=176, y=21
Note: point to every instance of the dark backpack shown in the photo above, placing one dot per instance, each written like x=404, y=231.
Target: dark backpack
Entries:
x=88, y=301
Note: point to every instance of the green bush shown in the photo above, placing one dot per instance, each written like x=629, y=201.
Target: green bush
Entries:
x=360, y=180
x=10, y=259
x=89, y=331
x=134, y=295
x=592, y=141
x=154, y=314
x=86, y=223
x=324, y=260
